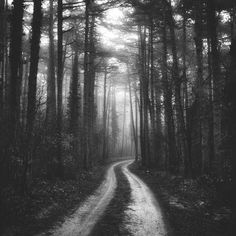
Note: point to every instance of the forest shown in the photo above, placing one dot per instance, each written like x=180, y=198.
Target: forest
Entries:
x=87, y=82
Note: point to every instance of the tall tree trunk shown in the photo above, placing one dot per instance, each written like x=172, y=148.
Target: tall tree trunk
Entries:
x=154, y=146
x=74, y=107
x=2, y=50
x=34, y=59
x=59, y=85
x=32, y=84
x=15, y=59
x=104, y=146
x=124, y=122
x=136, y=123
x=231, y=112
x=216, y=80
x=132, y=121
x=51, y=87
x=51, y=112
x=3, y=90
x=188, y=158
x=24, y=94
x=211, y=138
x=171, y=141
x=74, y=96
x=108, y=117
x=89, y=77
x=199, y=83
x=6, y=61
x=114, y=122
x=144, y=97
x=91, y=88
x=177, y=82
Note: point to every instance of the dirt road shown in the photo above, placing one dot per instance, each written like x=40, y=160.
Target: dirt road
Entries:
x=142, y=217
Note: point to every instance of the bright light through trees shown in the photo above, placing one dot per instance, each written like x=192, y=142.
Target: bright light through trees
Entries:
x=112, y=31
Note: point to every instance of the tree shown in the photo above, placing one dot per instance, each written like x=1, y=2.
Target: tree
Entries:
x=134, y=129
x=169, y=120
x=104, y=145
x=74, y=106
x=114, y=122
x=32, y=84
x=2, y=51
x=215, y=80
x=199, y=84
x=51, y=88
x=59, y=84
x=89, y=80
x=15, y=62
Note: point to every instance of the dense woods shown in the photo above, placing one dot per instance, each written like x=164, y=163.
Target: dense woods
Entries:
x=184, y=58
x=60, y=87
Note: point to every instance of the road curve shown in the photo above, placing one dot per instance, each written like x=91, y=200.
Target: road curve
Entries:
x=143, y=215
x=86, y=216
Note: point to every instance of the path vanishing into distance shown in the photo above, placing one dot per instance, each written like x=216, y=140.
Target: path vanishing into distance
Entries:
x=142, y=217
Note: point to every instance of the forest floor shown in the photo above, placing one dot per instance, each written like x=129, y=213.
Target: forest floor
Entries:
x=190, y=207
x=47, y=203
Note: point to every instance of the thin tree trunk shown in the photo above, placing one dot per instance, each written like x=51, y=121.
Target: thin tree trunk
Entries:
x=15, y=64
x=108, y=120
x=32, y=85
x=136, y=125
x=231, y=112
x=91, y=82
x=132, y=121
x=104, y=152
x=144, y=98
x=6, y=64
x=51, y=87
x=211, y=138
x=198, y=99
x=145, y=78
x=188, y=158
x=124, y=121
x=2, y=56
x=59, y=85
x=87, y=85
x=74, y=107
x=216, y=81
x=154, y=150
x=178, y=100
x=24, y=96
x=114, y=122
x=34, y=59
x=3, y=91
x=6, y=61
x=171, y=141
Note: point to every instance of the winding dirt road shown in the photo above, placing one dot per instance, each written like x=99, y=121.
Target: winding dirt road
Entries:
x=142, y=218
